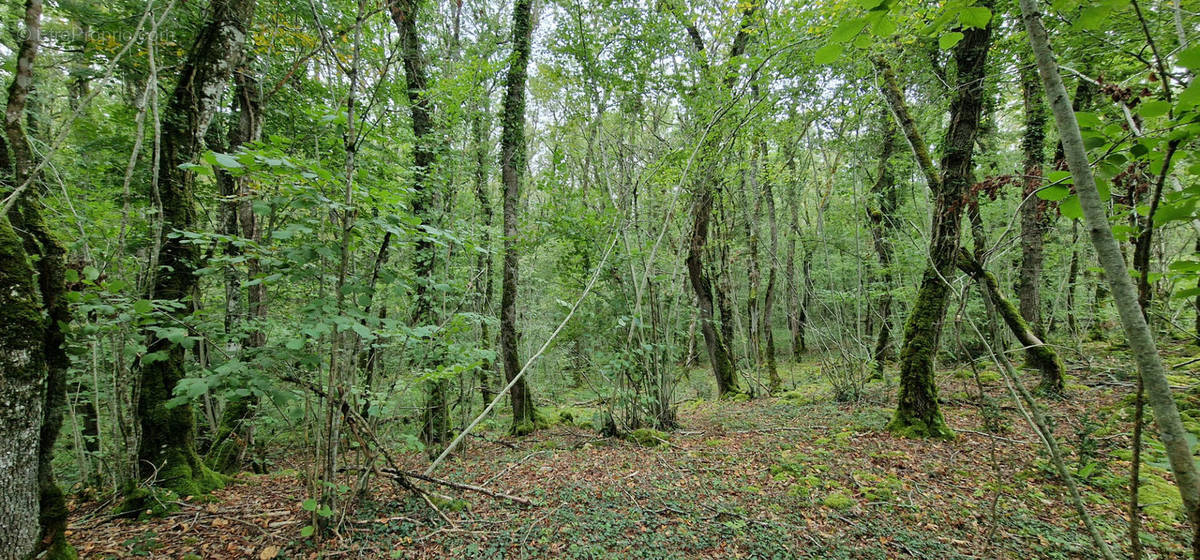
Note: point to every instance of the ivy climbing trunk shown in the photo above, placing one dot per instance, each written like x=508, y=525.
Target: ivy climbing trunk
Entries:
x=424, y=203
x=167, y=452
x=1033, y=209
x=1141, y=340
x=512, y=166
x=880, y=213
x=917, y=412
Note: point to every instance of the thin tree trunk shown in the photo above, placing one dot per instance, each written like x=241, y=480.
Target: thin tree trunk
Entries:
x=484, y=260
x=235, y=432
x=774, y=382
x=1033, y=209
x=881, y=214
x=1108, y=251
x=512, y=165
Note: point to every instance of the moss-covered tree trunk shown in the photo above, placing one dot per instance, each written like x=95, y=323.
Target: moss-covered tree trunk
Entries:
x=166, y=450
x=512, y=167
x=917, y=412
x=22, y=375
x=40, y=245
x=436, y=428
x=881, y=213
x=1037, y=354
x=774, y=382
x=484, y=260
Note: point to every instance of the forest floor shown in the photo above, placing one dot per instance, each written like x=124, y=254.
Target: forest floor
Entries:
x=794, y=476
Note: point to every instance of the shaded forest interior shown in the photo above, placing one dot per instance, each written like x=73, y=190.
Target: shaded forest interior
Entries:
x=600, y=279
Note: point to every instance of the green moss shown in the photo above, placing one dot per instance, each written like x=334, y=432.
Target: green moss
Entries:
x=1160, y=499
x=907, y=426
x=838, y=501
x=647, y=437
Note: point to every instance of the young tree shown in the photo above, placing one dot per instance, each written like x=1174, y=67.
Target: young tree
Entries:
x=167, y=450
x=1141, y=340
x=512, y=166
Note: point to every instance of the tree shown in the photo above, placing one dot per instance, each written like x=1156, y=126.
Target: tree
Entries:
x=917, y=412
x=512, y=167
x=33, y=342
x=424, y=206
x=718, y=341
x=1108, y=252
x=881, y=214
x=167, y=451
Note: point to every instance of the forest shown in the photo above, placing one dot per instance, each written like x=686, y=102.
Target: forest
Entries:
x=771, y=279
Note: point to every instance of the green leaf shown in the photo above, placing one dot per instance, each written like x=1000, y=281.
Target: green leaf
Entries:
x=947, y=41
x=975, y=16
x=1054, y=193
x=309, y=505
x=1092, y=17
x=1088, y=120
x=1190, y=97
x=307, y=531
x=1070, y=208
x=325, y=511
x=1151, y=109
x=884, y=27
x=847, y=30
x=71, y=275
x=143, y=306
x=1190, y=58
x=828, y=53
x=90, y=273
x=869, y=4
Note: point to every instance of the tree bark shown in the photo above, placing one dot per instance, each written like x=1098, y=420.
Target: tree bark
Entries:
x=436, y=428
x=1108, y=252
x=235, y=432
x=1033, y=209
x=41, y=246
x=512, y=166
x=881, y=214
x=167, y=451
x=917, y=413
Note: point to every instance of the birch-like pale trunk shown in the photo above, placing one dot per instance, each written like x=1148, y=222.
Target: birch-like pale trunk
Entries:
x=1108, y=252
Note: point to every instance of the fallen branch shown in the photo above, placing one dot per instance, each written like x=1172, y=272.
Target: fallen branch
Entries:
x=394, y=473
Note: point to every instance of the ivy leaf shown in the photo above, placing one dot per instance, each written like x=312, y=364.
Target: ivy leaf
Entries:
x=947, y=41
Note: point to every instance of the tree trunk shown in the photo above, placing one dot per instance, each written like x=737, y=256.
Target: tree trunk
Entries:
x=1037, y=354
x=436, y=428
x=917, y=412
x=49, y=358
x=1033, y=209
x=774, y=382
x=1108, y=252
x=235, y=432
x=167, y=452
x=512, y=166
x=881, y=213
x=484, y=260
